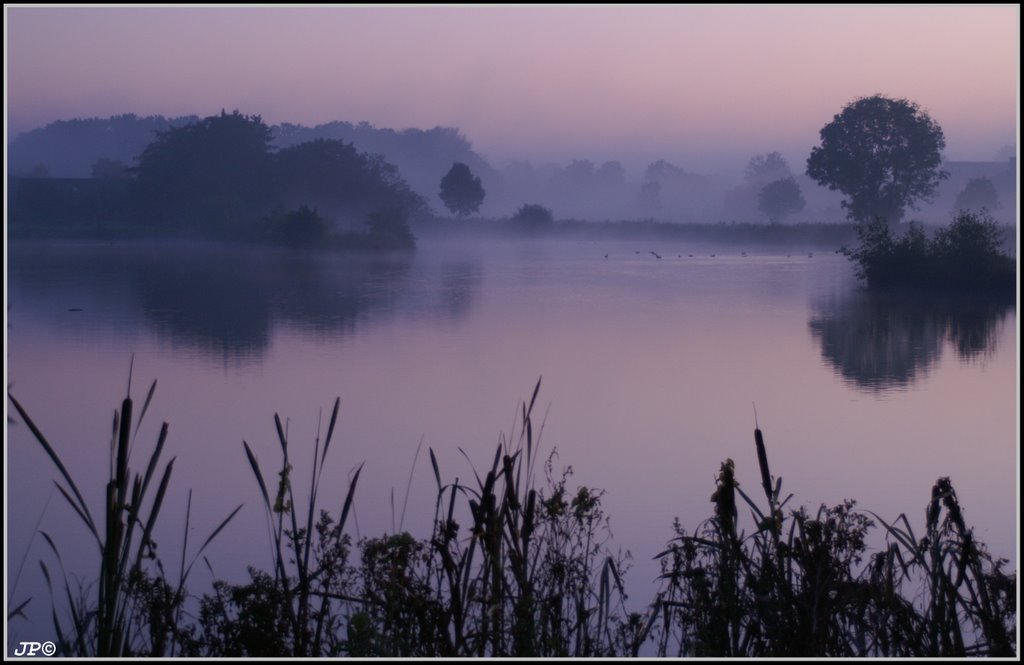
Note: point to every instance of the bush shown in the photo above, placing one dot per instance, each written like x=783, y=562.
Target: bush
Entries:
x=388, y=229
x=966, y=254
x=301, y=227
x=533, y=216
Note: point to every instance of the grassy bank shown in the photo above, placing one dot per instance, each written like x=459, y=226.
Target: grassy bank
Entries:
x=517, y=563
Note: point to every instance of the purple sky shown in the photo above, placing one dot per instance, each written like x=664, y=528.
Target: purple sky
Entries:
x=702, y=86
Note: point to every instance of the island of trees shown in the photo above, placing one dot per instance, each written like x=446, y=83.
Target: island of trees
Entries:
x=884, y=155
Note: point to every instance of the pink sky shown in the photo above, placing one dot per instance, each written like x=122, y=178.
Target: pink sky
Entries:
x=688, y=83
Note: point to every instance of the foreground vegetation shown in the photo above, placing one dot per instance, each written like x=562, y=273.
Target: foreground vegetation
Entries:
x=513, y=567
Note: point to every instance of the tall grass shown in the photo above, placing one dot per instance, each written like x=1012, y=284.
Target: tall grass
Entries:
x=533, y=576
x=799, y=585
x=519, y=563
x=134, y=610
x=291, y=612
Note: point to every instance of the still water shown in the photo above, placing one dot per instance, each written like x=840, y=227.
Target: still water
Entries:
x=651, y=371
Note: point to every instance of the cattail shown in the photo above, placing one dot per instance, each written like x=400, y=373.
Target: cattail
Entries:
x=531, y=506
x=122, y=450
x=762, y=461
x=932, y=515
x=952, y=505
x=725, y=499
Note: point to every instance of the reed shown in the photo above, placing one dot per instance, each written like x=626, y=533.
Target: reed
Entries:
x=511, y=568
x=111, y=623
x=798, y=585
x=518, y=563
x=309, y=549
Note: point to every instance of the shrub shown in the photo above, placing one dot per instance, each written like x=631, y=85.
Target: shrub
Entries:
x=965, y=255
x=301, y=227
x=533, y=216
x=388, y=229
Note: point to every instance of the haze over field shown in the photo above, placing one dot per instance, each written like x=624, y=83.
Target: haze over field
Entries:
x=703, y=87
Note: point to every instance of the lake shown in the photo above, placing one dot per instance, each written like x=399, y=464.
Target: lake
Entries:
x=652, y=369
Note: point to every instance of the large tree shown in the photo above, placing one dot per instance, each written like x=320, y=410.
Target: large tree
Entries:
x=333, y=176
x=883, y=153
x=211, y=173
x=461, y=191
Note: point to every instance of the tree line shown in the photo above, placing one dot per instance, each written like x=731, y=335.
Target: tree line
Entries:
x=221, y=177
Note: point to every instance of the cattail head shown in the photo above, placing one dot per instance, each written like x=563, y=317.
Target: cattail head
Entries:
x=531, y=507
x=762, y=461
x=952, y=504
x=123, y=439
x=932, y=514
x=725, y=498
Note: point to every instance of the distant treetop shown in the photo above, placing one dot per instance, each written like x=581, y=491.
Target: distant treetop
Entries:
x=461, y=191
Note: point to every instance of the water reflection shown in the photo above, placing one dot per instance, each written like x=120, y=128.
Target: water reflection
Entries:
x=460, y=281
x=878, y=342
x=224, y=303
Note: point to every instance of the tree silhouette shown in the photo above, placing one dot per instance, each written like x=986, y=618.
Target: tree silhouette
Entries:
x=883, y=153
x=533, y=216
x=779, y=199
x=966, y=255
x=763, y=169
x=461, y=191
x=978, y=193
x=389, y=229
x=214, y=172
x=333, y=175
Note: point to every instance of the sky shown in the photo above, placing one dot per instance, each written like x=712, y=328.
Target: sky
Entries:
x=703, y=86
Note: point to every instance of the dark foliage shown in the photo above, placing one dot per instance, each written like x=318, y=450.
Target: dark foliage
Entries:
x=779, y=199
x=421, y=155
x=511, y=569
x=389, y=229
x=212, y=174
x=533, y=216
x=72, y=207
x=331, y=175
x=883, y=153
x=964, y=255
x=219, y=178
x=461, y=191
x=302, y=227
x=805, y=585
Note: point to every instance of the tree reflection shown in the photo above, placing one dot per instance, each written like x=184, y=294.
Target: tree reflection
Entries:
x=225, y=302
x=460, y=280
x=879, y=341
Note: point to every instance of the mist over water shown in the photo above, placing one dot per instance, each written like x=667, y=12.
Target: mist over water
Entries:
x=650, y=368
